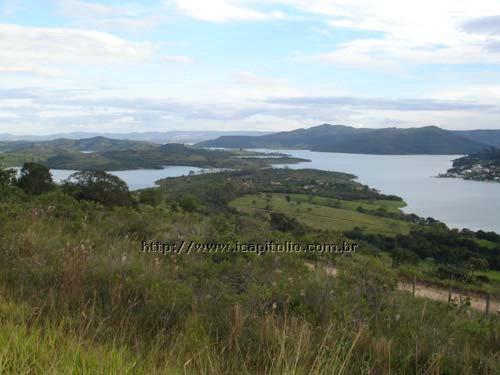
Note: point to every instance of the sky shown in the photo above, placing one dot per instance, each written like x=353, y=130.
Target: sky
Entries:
x=163, y=65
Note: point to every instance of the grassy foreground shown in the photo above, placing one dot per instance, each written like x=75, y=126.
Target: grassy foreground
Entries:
x=80, y=293
x=79, y=296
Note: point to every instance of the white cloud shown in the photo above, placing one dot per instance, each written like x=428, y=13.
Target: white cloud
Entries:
x=128, y=16
x=180, y=59
x=34, y=48
x=225, y=10
x=43, y=111
x=418, y=32
x=485, y=93
x=392, y=52
x=249, y=78
x=31, y=70
x=85, y=9
x=248, y=86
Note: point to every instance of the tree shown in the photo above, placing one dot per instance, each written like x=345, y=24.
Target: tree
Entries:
x=477, y=264
x=283, y=223
x=7, y=176
x=98, y=186
x=35, y=179
x=153, y=197
x=404, y=256
x=189, y=203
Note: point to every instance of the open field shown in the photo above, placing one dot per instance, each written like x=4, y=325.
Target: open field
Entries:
x=490, y=274
x=318, y=212
x=486, y=243
x=388, y=205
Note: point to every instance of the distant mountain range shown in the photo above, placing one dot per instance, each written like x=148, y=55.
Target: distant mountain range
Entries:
x=155, y=137
x=430, y=140
x=330, y=138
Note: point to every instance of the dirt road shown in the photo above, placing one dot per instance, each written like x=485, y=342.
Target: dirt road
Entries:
x=435, y=293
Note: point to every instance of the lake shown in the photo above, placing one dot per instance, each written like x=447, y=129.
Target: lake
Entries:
x=458, y=203
x=138, y=178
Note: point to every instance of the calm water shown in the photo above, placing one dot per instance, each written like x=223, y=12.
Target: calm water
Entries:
x=458, y=203
x=139, y=178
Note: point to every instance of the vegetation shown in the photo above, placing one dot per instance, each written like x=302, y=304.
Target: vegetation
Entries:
x=100, y=187
x=220, y=188
x=35, y=179
x=101, y=153
x=78, y=293
x=490, y=137
x=339, y=138
x=480, y=166
x=7, y=176
x=440, y=255
x=319, y=215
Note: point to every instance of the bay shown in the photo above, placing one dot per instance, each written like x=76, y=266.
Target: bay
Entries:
x=138, y=178
x=456, y=202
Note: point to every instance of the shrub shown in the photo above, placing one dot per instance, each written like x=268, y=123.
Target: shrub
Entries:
x=7, y=176
x=98, y=186
x=35, y=179
x=189, y=203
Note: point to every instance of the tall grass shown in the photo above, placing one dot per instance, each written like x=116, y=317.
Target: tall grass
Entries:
x=79, y=297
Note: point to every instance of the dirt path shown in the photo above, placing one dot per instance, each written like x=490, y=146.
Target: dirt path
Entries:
x=435, y=293
x=439, y=294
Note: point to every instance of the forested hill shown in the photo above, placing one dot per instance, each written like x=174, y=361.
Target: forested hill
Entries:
x=94, y=144
x=105, y=154
x=490, y=157
x=340, y=138
x=490, y=137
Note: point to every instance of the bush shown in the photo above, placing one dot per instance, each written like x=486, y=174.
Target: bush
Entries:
x=453, y=273
x=283, y=223
x=98, y=186
x=35, y=179
x=7, y=176
x=189, y=203
x=153, y=197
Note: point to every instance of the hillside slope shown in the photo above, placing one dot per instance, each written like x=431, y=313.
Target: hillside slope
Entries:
x=339, y=138
x=490, y=137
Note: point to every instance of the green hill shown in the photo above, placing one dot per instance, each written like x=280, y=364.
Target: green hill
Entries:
x=100, y=153
x=490, y=137
x=340, y=138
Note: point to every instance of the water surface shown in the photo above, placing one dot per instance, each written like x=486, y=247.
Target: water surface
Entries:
x=456, y=202
x=138, y=178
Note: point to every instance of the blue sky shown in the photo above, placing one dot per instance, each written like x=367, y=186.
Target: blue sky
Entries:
x=159, y=65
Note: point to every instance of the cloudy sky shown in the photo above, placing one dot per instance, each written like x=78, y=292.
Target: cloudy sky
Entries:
x=159, y=65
